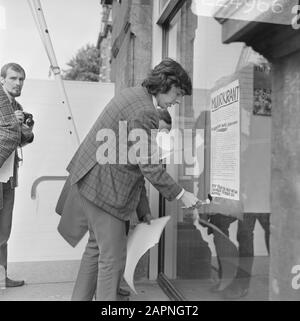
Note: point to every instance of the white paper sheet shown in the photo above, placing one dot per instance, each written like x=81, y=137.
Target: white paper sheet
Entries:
x=142, y=239
x=7, y=169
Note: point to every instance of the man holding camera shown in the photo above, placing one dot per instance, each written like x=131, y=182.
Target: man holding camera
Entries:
x=15, y=131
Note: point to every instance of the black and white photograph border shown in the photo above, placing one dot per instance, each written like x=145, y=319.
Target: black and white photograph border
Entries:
x=73, y=74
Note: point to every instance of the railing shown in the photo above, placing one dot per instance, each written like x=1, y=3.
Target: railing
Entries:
x=44, y=179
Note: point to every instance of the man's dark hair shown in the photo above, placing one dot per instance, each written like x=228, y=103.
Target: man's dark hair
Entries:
x=12, y=65
x=166, y=74
x=165, y=116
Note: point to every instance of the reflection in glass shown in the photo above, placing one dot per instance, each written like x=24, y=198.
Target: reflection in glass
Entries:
x=220, y=261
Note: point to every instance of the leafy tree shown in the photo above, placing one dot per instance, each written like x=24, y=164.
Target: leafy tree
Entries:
x=85, y=66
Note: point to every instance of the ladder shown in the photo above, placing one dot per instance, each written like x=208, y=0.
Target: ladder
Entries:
x=39, y=18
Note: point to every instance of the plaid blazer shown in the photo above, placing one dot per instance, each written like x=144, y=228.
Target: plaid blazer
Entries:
x=143, y=207
x=11, y=136
x=116, y=188
x=10, y=130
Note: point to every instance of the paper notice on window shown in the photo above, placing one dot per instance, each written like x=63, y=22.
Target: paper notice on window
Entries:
x=225, y=142
x=7, y=169
x=142, y=239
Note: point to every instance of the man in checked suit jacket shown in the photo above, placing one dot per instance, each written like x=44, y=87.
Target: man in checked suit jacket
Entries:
x=105, y=188
x=13, y=133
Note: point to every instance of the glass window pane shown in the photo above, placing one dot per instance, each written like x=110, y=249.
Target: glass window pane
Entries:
x=224, y=130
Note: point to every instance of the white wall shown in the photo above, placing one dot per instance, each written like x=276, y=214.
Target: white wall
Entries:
x=34, y=236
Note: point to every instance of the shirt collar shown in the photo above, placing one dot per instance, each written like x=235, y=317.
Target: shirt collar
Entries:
x=154, y=100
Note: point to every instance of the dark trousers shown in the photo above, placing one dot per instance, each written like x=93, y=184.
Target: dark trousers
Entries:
x=245, y=238
x=6, y=221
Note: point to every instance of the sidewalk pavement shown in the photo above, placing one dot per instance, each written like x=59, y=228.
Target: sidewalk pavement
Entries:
x=54, y=281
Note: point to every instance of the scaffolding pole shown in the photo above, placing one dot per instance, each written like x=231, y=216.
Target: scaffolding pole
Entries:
x=39, y=18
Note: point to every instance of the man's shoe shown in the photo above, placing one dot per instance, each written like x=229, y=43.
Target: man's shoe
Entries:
x=215, y=288
x=235, y=292
x=123, y=292
x=13, y=283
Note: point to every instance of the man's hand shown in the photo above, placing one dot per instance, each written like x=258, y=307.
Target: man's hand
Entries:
x=147, y=219
x=189, y=199
x=26, y=130
x=20, y=116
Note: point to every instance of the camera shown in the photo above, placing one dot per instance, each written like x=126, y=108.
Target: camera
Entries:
x=28, y=119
